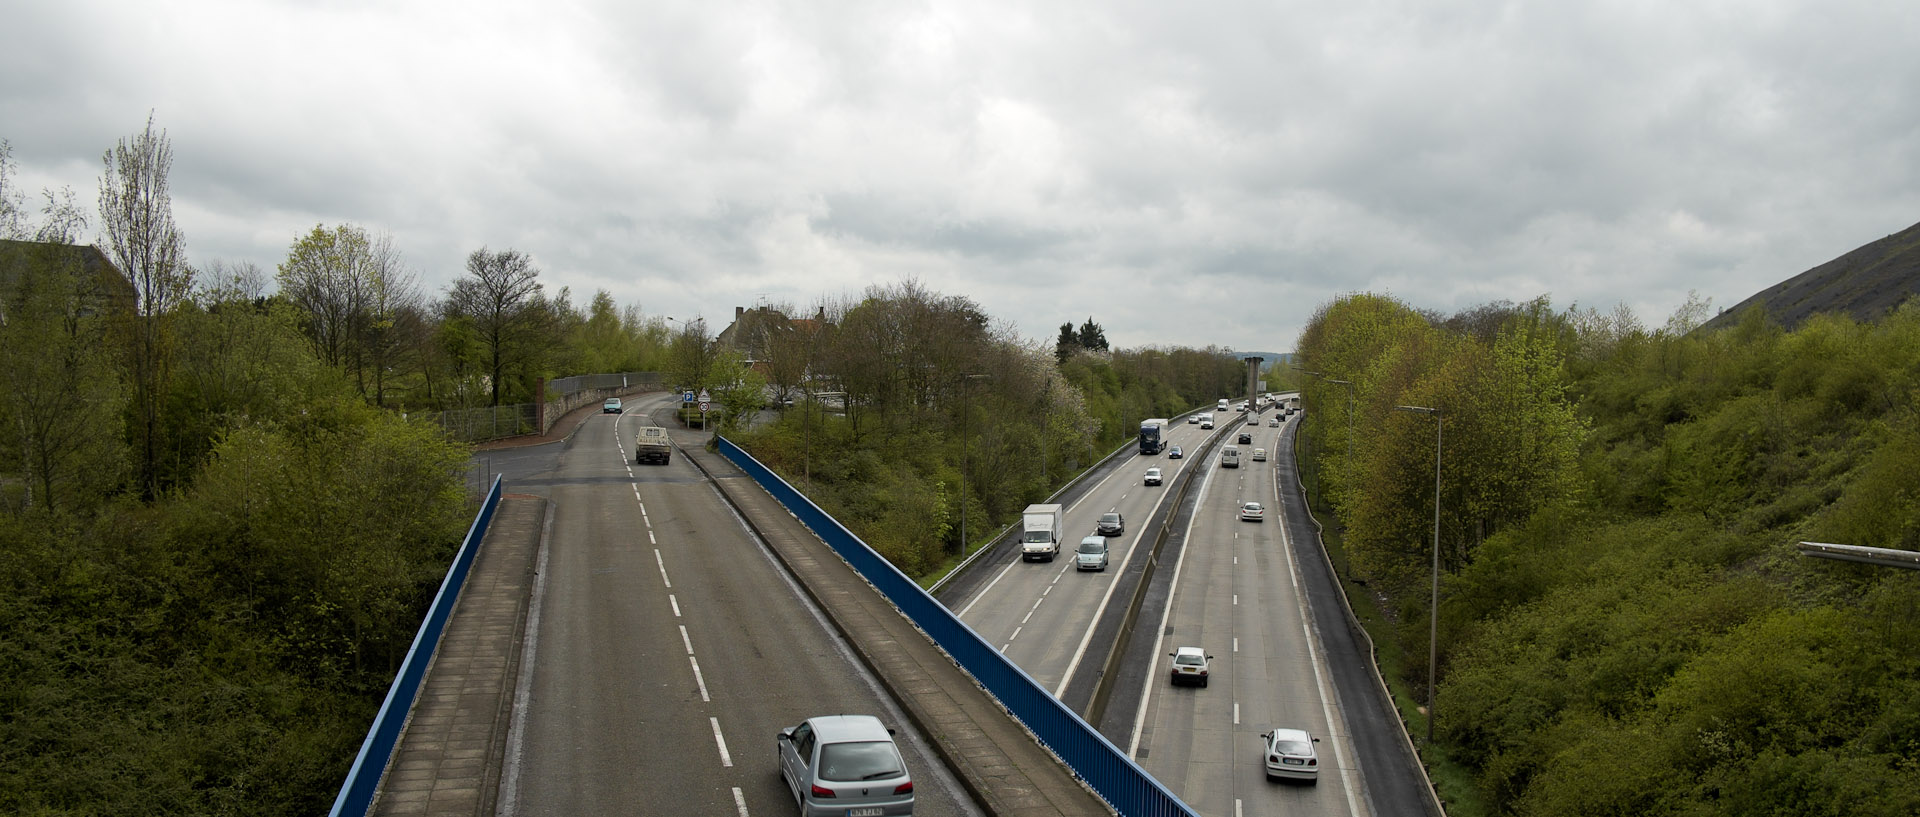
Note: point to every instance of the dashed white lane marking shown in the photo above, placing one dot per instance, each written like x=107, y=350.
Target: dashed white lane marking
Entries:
x=701, y=681
x=676, y=605
x=684, y=640
x=740, y=801
x=1236, y=643
x=1236, y=713
x=725, y=759
x=651, y=540
x=663, y=566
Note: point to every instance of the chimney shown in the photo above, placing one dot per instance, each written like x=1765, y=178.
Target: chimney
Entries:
x=738, y=313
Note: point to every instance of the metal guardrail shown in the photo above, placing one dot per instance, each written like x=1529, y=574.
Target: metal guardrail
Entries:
x=356, y=794
x=1104, y=767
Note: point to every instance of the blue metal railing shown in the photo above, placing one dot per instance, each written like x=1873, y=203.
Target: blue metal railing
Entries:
x=356, y=794
x=1107, y=770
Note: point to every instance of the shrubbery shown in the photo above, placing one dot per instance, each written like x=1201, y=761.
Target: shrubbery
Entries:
x=1643, y=639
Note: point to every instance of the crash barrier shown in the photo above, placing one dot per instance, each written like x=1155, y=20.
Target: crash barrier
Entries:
x=356, y=794
x=1104, y=767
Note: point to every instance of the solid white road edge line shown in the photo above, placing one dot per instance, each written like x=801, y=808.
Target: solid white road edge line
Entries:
x=1319, y=667
x=509, y=804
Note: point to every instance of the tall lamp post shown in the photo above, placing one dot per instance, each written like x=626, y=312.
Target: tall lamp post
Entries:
x=1433, y=617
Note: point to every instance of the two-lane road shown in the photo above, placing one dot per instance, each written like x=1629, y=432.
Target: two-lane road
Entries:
x=670, y=647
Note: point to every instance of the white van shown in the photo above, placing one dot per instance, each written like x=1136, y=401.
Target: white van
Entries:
x=1230, y=457
x=1220, y=406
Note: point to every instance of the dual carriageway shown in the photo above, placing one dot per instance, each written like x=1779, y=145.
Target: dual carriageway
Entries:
x=667, y=645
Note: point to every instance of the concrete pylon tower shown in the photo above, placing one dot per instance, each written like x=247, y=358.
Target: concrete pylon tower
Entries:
x=1253, y=378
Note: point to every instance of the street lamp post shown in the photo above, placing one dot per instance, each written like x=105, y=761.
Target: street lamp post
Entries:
x=1433, y=616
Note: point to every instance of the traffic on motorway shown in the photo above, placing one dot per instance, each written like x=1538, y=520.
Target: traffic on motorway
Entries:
x=675, y=668
x=1219, y=722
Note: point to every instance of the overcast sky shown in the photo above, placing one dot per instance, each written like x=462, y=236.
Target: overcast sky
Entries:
x=1184, y=173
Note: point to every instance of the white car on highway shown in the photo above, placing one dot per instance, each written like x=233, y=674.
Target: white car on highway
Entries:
x=1290, y=754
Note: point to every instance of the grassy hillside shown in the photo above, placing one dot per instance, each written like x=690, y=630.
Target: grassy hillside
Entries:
x=1625, y=625
x=1865, y=284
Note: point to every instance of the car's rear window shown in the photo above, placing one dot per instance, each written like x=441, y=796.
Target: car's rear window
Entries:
x=1187, y=659
x=865, y=760
x=1293, y=747
x=1092, y=547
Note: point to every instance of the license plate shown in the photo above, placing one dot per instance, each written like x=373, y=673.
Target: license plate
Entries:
x=869, y=811
x=1292, y=761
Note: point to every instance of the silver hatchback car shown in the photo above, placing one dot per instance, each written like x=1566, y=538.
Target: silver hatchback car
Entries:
x=845, y=766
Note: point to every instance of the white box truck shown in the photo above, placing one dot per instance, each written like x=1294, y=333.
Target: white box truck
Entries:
x=1039, y=533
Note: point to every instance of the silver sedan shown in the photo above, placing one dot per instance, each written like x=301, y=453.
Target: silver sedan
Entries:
x=845, y=766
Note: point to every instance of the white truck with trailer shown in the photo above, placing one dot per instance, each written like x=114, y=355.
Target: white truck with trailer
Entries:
x=1039, y=533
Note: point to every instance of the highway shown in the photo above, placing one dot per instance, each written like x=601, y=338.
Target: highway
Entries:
x=668, y=647
x=1041, y=614
x=1237, y=594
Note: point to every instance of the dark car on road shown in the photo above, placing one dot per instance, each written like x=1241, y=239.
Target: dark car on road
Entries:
x=1111, y=525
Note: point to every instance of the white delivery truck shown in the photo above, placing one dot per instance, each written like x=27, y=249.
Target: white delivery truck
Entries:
x=1039, y=533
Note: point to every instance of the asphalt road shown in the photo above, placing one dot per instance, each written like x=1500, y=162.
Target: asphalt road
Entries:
x=1042, y=614
x=670, y=647
x=1236, y=594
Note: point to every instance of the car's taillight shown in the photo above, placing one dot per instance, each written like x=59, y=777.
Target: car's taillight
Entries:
x=1274, y=759
x=819, y=791
x=904, y=788
x=1313, y=761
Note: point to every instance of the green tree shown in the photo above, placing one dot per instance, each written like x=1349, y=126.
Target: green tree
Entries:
x=58, y=385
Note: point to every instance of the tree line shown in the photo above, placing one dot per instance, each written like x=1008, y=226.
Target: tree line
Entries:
x=915, y=416
x=218, y=526
x=1624, y=625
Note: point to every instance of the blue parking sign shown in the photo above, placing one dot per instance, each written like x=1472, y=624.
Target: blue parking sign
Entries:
x=686, y=397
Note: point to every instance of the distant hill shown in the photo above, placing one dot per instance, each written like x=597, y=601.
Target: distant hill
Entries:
x=1267, y=358
x=1865, y=283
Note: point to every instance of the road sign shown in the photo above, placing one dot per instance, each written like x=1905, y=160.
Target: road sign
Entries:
x=704, y=396
x=686, y=397
x=703, y=405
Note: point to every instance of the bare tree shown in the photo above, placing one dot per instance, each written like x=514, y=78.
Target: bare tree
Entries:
x=13, y=205
x=501, y=297
x=395, y=323
x=136, y=211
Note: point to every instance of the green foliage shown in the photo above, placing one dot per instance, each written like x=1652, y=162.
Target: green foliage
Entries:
x=1625, y=628
x=938, y=424
x=222, y=654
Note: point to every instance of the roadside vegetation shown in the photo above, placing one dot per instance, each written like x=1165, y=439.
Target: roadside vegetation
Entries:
x=1625, y=626
x=218, y=527
x=914, y=395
